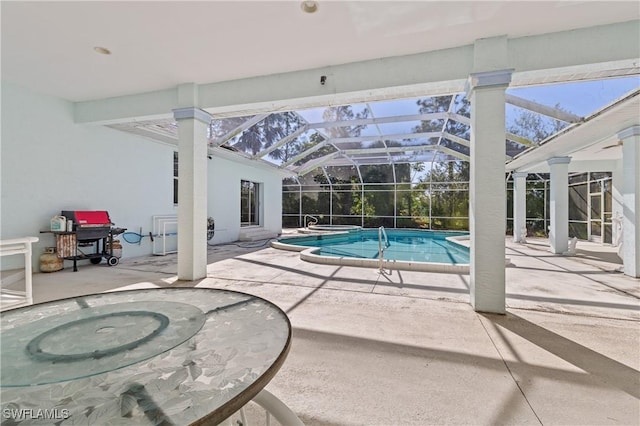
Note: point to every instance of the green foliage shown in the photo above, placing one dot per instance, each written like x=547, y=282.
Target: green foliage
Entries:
x=267, y=132
x=535, y=127
x=426, y=194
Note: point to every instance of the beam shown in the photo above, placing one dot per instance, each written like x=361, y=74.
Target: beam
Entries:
x=306, y=153
x=317, y=162
x=239, y=129
x=282, y=141
x=578, y=166
x=444, y=124
x=597, y=127
x=459, y=118
x=454, y=153
x=388, y=137
x=520, y=139
x=389, y=149
x=555, y=113
x=456, y=139
x=552, y=56
x=349, y=152
x=385, y=120
x=319, y=131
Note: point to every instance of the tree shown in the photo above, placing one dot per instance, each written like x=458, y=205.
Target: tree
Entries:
x=342, y=113
x=437, y=192
x=267, y=132
x=534, y=126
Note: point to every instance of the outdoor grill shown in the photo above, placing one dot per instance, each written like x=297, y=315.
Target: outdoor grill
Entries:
x=89, y=226
x=89, y=229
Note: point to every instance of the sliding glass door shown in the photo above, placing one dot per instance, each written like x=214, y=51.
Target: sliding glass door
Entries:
x=249, y=203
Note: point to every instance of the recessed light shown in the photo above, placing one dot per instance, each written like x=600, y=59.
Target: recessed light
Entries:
x=102, y=50
x=309, y=6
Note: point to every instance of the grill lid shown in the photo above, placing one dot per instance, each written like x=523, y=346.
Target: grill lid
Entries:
x=88, y=218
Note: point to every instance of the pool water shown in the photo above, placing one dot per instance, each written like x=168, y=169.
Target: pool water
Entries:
x=404, y=244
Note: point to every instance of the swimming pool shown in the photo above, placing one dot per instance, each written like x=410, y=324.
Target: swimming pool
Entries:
x=408, y=249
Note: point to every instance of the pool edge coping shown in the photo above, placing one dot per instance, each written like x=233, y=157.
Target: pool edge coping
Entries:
x=308, y=254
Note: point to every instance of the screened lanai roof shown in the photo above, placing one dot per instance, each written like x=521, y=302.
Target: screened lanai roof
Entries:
x=420, y=130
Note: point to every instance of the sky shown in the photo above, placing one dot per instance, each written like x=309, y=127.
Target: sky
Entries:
x=580, y=98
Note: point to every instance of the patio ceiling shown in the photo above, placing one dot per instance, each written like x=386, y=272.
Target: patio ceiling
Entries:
x=49, y=48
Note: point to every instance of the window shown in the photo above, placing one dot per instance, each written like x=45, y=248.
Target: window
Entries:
x=249, y=203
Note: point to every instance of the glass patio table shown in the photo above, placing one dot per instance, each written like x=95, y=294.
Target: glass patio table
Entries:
x=158, y=356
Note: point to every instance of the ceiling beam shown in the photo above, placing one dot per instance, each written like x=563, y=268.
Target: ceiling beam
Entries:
x=349, y=153
x=555, y=113
x=282, y=141
x=555, y=56
x=306, y=152
x=408, y=158
x=316, y=162
x=418, y=135
x=390, y=149
x=454, y=153
x=597, y=127
x=456, y=139
x=459, y=118
x=239, y=129
x=321, y=132
x=519, y=139
x=385, y=120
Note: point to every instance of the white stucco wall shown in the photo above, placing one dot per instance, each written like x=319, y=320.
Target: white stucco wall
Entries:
x=49, y=164
x=224, y=197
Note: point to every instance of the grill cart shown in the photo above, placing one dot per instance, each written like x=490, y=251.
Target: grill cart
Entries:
x=89, y=237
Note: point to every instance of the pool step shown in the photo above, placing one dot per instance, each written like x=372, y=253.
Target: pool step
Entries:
x=255, y=234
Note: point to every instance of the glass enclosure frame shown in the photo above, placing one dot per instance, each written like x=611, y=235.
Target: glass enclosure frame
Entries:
x=429, y=212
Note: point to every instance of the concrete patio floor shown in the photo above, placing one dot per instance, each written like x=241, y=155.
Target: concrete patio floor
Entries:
x=407, y=348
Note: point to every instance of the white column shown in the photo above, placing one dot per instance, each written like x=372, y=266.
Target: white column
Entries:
x=617, y=193
x=487, y=196
x=192, y=192
x=631, y=195
x=559, y=204
x=519, y=206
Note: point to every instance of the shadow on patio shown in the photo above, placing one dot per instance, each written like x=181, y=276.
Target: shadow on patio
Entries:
x=393, y=349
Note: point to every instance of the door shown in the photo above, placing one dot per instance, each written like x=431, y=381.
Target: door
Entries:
x=595, y=217
x=249, y=203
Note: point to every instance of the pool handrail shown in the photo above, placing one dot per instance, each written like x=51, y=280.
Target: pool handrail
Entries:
x=382, y=247
x=314, y=220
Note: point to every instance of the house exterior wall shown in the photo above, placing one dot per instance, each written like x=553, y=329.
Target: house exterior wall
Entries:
x=224, y=197
x=49, y=164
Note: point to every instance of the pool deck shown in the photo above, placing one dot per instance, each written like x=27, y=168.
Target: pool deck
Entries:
x=406, y=348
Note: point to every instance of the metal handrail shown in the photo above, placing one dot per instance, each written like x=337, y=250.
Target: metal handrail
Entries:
x=314, y=220
x=381, y=246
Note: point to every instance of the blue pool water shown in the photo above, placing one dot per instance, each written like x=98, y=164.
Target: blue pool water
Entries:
x=404, y=244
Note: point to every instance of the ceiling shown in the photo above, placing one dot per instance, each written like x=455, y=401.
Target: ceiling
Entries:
x=49, y=46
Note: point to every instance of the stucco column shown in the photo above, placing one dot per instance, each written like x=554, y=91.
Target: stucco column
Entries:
x=519, y=206
x=192, y=192
x=631, y=195
x=617, y=193
x=487, y=196
x=559, y=204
